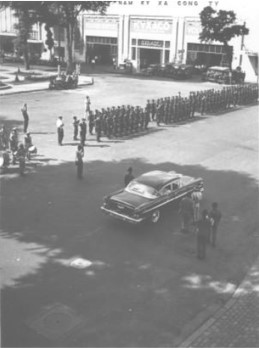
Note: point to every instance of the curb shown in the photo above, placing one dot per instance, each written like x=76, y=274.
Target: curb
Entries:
x=10, y=92
x=220, y=312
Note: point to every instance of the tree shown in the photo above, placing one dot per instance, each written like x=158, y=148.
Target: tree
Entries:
x=66, y=13
x=49, y=41
x=28, y=13
x=220, y=26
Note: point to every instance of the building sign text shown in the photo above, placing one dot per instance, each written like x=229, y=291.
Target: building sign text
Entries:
x=150, y=43
x=151, y=26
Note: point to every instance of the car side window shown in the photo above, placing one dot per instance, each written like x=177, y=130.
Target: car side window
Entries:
x=176, y=185
x=166, y=189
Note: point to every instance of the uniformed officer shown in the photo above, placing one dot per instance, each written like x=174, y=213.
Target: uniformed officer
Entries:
x=98, y=128
x=75, y=126
x=83, y=130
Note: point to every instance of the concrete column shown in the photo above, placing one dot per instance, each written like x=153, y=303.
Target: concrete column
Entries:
x=162, y=56
x=120, y=39
x=126, y=37
x=173, y=40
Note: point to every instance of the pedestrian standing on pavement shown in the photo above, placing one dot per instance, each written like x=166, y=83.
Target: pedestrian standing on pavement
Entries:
x=60, y=129
x=83, y=129
x=215, y=217
x=87, y=106
x=203, y=230
x=75, y=126
x=98, y=129
x=196, y=198
x=3, y=138
x=79, y=161
x=186, y=213
x=25, y=115
x=128, y=176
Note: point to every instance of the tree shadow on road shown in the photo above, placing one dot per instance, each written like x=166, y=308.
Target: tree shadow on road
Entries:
x=137, y=277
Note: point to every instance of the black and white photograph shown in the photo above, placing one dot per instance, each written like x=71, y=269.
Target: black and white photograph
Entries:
x=129, y=174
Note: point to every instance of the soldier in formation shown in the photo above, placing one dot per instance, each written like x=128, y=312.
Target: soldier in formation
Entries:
x=118, y=121
x=178, y=108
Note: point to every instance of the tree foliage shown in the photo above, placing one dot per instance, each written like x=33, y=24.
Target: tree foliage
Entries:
x=220, y=26
x=27, y=13
x=49, y=40
x=66, y=14
x=62, y=13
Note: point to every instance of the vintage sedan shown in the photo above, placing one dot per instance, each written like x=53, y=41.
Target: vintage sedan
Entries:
x=145, y=196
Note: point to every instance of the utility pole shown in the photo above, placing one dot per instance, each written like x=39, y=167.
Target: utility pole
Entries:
x=242, y=48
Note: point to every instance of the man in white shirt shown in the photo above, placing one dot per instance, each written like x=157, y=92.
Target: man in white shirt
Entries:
x=60, y=129
x=196, y=198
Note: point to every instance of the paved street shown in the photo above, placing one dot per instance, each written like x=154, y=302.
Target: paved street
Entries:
x=143, y=285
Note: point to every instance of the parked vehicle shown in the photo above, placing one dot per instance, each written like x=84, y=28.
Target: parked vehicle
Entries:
x=181, y=71
x=223, y=75
x=64, y=82
x=152, y=70
x=145, y=196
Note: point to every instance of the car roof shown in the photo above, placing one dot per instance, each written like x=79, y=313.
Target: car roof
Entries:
x=219, y=68
x=157, y=178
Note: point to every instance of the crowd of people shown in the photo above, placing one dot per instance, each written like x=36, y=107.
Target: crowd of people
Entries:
x=16, y=148
x=125, y=120
x=120, y=121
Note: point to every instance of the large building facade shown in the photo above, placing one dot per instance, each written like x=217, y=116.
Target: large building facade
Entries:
x=147, y=40
x=144, y=32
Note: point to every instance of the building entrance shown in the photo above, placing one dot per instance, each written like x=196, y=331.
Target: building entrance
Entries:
x=102, y=53
x=149, y=56
x=103, y=49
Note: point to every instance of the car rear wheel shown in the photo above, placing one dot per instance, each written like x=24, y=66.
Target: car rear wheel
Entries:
x=155, y=216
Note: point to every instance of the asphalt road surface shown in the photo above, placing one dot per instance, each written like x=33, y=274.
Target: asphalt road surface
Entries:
x=139, y=285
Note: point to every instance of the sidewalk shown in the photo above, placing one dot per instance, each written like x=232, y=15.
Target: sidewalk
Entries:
x=39, y=86
x=237, y=323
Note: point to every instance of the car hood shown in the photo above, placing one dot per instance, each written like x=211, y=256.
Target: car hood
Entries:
x=130, y=199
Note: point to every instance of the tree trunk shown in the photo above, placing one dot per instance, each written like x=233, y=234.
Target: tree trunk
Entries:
x=69, y=47
x=26, y=56
x=228, y=54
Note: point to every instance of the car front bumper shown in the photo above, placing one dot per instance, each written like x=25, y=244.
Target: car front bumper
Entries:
x=121, y=216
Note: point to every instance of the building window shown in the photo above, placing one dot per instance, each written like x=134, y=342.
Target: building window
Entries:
x=134, y=42
x=167, y=44
x=133, y=53
x=103, y=40
x=34, y=35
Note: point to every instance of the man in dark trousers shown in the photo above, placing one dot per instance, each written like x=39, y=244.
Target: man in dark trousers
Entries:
x=60, y=129
x=91, y=122
x=128, y=177
x=75, y=125
x=203, y=230
x=25, y=118
x=79, y=161
x=215, y=217
x=98, y=128
x=186, y=212
x=82, y=126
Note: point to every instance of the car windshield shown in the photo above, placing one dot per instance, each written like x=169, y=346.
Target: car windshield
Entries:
x=142, y=190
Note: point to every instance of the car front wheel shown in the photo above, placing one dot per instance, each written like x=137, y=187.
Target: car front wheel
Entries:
x=155, y=216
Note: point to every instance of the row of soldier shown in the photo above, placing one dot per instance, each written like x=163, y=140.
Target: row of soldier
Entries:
x=111, y=122
x=126, y=120
x=178, y=108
